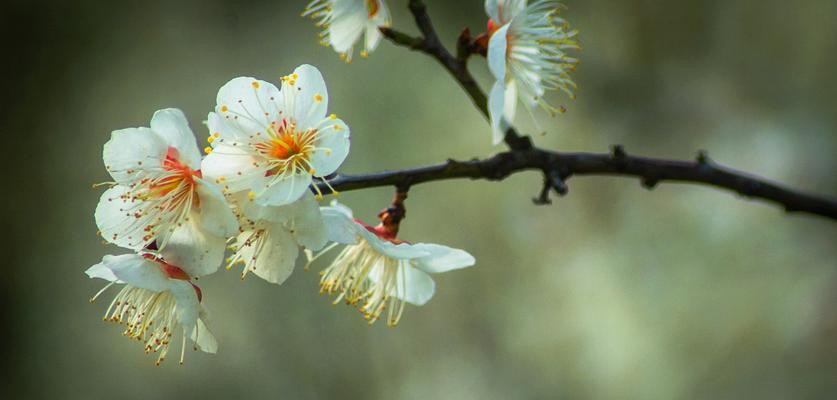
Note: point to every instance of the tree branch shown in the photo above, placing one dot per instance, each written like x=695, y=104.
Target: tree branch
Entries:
x=560, y=166
x=557, y=167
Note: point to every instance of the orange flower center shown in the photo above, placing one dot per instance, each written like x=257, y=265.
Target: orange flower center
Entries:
x=372, y=7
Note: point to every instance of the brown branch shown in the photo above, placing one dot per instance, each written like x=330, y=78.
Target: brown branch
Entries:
x=557, y=167
x=560, y=166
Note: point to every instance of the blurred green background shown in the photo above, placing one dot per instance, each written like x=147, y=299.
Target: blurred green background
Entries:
x=613, y=292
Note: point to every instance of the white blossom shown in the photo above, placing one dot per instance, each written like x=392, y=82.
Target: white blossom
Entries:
x=344, y=21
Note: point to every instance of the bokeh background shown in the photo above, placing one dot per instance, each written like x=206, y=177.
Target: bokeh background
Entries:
x=613, y=292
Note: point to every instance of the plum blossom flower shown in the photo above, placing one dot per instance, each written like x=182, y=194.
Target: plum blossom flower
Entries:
x=377, y=272
x=157, y=301
x=271, y=143
x=268, y=244
x=159, y=196
x=346, y=20
x=527, y=55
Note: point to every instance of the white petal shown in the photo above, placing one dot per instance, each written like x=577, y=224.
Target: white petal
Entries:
x=340, y=227
x=306, y=224
x=332, y=146
x=203, y=338
x=502, y=11
x=402, y=251
x=442, y=258
x=281, y=191
x=135, y=270
x=276, y=257
x=510, y=100
x=100, y=271
x=233, y=164
x=411, y=285
x=116, y=222
x=171, y=125
x=497, y=47
x=249, y=105
x=193, y=249
x=496, y=107
x=346, y=29
x=216, y=216
x=307, y=98
x=187, y=306
x=130, y=151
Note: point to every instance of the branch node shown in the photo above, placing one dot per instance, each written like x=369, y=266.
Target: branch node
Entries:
x=618, y=152
x=703, y=157
x=649, y=182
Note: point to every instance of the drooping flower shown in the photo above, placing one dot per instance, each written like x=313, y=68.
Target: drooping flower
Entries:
x=346, y=20
x=268, y=244
x=157, y=301
x=271, y=143
x=160, y=198
x=527, y=55
x=376, y=272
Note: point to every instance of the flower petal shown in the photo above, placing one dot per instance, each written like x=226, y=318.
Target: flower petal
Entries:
x=305, y=96
x=442, y=258
x=216, y=216
x=411, y=285
x=134, y=270
x=249, y=105
x=332, y=146
x=510, y=100
x=187, y=307
x=171, y=125
x=116, y=222
x=130, y=151
x=278, y=191
x=193, y=249
x=496, y=106
x=232, y=165
x=340, y=227
x=273, y=260
x=401, y=251
x=306, y=223
x=203, y=338
x=497, y=47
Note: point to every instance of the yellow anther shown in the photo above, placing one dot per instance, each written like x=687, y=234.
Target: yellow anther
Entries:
x=364, y=53
x=216, y=134
x=251, y=195
x=318, y=98
x=294, y=76
x=224, y=108
x=291, y=82
x=207, y=149
x=255, y=84
x=312, y=171
x=333, y=116
x=337, y=127
x=210, y=139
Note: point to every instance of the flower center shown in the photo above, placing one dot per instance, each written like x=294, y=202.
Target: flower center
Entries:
x=288, y=150
x=179, y=175
x=372, y=7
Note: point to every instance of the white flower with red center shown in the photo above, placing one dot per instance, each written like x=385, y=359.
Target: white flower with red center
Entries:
x=159, y=197
x=157, y=301
x=271, y=143
x=527, y=56
x=268, y=244
x=377, y=272
x=346, y=20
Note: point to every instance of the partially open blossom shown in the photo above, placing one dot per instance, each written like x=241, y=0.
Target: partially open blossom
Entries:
x=159, y=195
x=268, y=244
x=157, y=301
x=270, y=143
x=377, y=272
x=527, y=56
x=346, y=20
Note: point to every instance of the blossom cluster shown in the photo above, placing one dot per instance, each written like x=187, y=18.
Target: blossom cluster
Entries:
x=252, y=202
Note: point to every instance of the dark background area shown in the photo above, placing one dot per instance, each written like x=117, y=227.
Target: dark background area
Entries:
x=611, y=292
